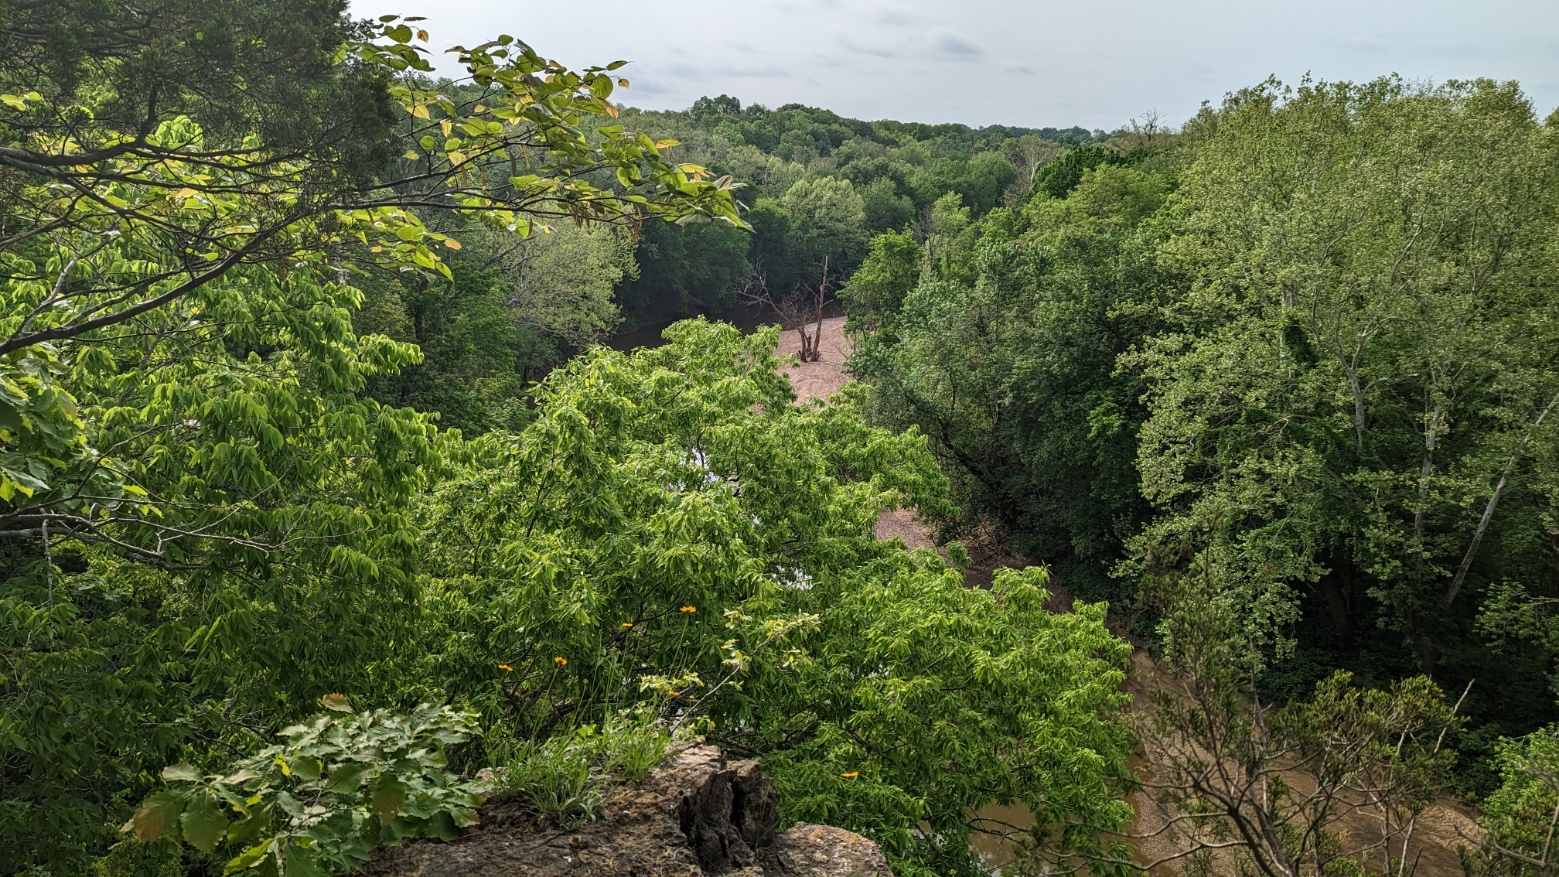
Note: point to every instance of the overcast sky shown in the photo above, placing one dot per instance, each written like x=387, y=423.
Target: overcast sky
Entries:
x=1032, y=63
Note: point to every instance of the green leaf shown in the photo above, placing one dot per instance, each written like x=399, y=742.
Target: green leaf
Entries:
x=442, y=826
x=389, y=795
x=346, y=777
x=304, y=862
x=203, y=822
x=248, y=858
x=465, y=816
x=157, y=814
x=307, y=768
x=289, y=804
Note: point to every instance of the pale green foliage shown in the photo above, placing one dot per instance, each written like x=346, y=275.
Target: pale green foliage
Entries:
x=41, y=433
x=671, y=518
x=769, y=175
x=163, y=212
x=1520, y=819
x=1109, y=193
x=276, y=495
x=320, y=802
x=877, y=289
x=948, y=218
x=205, y=519
x=561, y=280
x=828, y=218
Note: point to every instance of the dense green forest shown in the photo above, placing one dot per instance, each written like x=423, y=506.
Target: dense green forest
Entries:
x=815, y=189
x=317, y=494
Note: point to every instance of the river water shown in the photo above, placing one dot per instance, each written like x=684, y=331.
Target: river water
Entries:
x=995, y=850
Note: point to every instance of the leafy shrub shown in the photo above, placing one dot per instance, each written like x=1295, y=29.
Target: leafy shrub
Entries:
x=341, y=785
x=1519, y=819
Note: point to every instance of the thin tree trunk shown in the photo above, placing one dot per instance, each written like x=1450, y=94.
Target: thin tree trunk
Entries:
x=1488, y=510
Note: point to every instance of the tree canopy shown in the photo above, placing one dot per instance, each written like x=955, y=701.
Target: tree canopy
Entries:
x=1308, y=339
x=235, y=339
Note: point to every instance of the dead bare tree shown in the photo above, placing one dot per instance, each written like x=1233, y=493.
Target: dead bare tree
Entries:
x=799, y=308
x=1030, y=153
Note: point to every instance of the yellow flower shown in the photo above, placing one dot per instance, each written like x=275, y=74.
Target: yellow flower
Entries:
x=506, y=668
x=690, y=609
x=560, y=661
x=851, y=775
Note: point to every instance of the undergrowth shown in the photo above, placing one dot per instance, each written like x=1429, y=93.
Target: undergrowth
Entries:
x=566, y=779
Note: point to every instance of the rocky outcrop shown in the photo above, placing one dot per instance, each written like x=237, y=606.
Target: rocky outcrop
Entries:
x=696, y=814
x=823, y=851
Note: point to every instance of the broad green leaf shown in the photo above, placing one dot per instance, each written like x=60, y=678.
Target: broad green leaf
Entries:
x=304, y=862
x=249, y=858
x=388, y=796
x=203, y=822
x=347, y=777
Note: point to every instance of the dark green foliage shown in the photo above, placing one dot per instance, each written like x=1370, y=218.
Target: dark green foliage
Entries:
x=1011, y=367
x=1061, y=176
x=1245, y=337
x=685, y=270
x=477, y=363
x=898, y=170
x=774, y=250
x=981, y=180
x=886, y=209
x=234, y=67
x=1368, y=481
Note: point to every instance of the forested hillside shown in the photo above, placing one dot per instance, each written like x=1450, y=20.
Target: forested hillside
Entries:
x=815, y=189
x=1279, y=387
x=317, y=495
